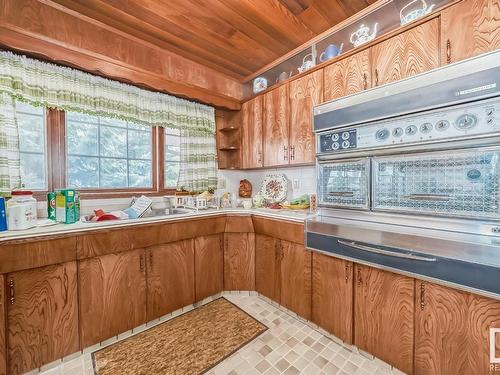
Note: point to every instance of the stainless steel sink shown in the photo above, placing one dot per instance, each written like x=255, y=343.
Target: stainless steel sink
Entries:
x=166, y=212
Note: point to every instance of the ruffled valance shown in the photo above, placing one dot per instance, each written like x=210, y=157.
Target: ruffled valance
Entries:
x=49, y=85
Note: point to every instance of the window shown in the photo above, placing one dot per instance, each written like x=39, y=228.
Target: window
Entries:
x=172, y=157
x=107, y=153
x=32, y=146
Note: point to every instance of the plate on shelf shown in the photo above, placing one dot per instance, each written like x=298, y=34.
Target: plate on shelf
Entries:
x=274, y=188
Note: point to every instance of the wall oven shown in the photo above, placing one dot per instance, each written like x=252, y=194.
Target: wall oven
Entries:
x=408, y=176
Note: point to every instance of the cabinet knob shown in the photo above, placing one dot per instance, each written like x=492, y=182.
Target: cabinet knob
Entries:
x=422, y=296
x=347, y=272
x=141, y=263
x=285, y=156
x=376, y=77
x=365, y=81
x=12, y=298
x=292, y=149
x=359, y=277
x=448, y=51
x=151, y=259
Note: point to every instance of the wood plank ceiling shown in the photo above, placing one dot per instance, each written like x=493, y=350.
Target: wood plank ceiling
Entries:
x=235, y=37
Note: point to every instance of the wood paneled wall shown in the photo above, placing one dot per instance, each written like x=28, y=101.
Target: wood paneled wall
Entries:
x=50, y=31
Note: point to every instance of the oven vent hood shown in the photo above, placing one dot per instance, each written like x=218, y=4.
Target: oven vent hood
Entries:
x=466, y=81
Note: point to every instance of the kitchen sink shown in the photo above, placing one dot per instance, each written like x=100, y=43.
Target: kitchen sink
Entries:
x=167, y=211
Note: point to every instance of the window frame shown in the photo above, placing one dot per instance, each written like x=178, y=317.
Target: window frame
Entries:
x=56, y=154
x=163, y=161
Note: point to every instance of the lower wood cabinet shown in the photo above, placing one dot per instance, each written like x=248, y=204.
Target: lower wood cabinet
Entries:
x=42, y=316
x=239, y=261
x=170, y=280
x=268, y=267
x=452, y=331
x=208, y=265
x=332, y=295
x=112, y=295
x=296, y=278
x=383, y=316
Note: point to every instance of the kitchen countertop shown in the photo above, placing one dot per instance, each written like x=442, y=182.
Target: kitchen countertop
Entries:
x=40, y=231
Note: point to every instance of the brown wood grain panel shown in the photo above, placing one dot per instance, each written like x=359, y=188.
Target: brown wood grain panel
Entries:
x=383, y=316
x=296, y=278
x=208, y=265
x=267, y=267
x=305, y=93
x=332, y=295
x=465, y=30
x=406, y=54
x=275, y=127
x=494, y=25
x=239, y=261
x=347, y=76
x=251, y=133
x=16, y=255
x=170, y=280
x=235, y=224
x=104, y=242
x=191, y=228
x=284, y=230
x=3, y=326
x=112, y=290
x=452, y=331
x=48, y=30
x=43, y=320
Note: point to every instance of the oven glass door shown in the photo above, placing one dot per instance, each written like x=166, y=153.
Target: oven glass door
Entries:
x=344, y=183
x=461, y=183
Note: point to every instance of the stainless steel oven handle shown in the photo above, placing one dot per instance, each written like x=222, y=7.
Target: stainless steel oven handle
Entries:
x=428, y=197
x=341, y=193
x=385, y=252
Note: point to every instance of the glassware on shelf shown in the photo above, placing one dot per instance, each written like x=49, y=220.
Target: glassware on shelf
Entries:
x=259, y=84
x=363, y=35
x=307, y=63
x=414, y=10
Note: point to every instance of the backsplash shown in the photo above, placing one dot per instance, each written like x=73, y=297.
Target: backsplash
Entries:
x=301, y=180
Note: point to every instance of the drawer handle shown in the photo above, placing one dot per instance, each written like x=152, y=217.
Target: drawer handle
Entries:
x=385, y=252
x=12, y=298
x=448, y=51
x=341, y=193
x=428, y=197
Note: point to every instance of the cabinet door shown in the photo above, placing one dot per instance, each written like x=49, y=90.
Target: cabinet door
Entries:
x=348, y=76
x=296, y=278
x=42, y=319
x=332, y=295
x=305, y=93
x=251, y=133
x=239, y=261
x=3, y=327
x=383, y=316
x=170, y=278
x=409, y=53
x=275, y=127
x=208, y=266
x=112, y=295
x=465, y=30
x=452, y=331
x=267, y=266
x=494, y=25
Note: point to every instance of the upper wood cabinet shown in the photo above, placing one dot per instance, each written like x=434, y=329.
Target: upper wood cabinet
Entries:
x=275, y=127
x=383, y=316
x=267, y=267
x=42, y=316
x=469, y=28
x=348, y=76
x=406, y=54
x=305, y=93
x=332, y=295
x=296, y=278
x=239, y=261
x=208, y=265
x=112, y=295
x=452, y=331
x=170, y=277
x=251, y=133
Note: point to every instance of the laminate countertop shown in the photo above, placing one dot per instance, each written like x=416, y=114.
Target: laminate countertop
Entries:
x=41, y=231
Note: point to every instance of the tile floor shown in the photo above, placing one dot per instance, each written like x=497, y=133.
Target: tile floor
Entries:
x=290, y=346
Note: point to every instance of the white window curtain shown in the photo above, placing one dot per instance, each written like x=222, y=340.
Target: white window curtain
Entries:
x=10, y=172
x=53, y=86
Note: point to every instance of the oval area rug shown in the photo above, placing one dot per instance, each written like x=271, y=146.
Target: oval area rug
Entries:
x=191, y=343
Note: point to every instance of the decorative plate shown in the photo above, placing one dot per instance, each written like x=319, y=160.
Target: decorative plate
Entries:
x=274, y=188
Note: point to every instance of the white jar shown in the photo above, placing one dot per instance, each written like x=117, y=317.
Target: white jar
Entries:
x=21, y=210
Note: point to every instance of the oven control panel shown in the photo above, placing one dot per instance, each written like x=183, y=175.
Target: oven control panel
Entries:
x=457, y=122
x=338, y=140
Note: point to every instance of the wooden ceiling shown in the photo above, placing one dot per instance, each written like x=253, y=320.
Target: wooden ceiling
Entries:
x=235, y=37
